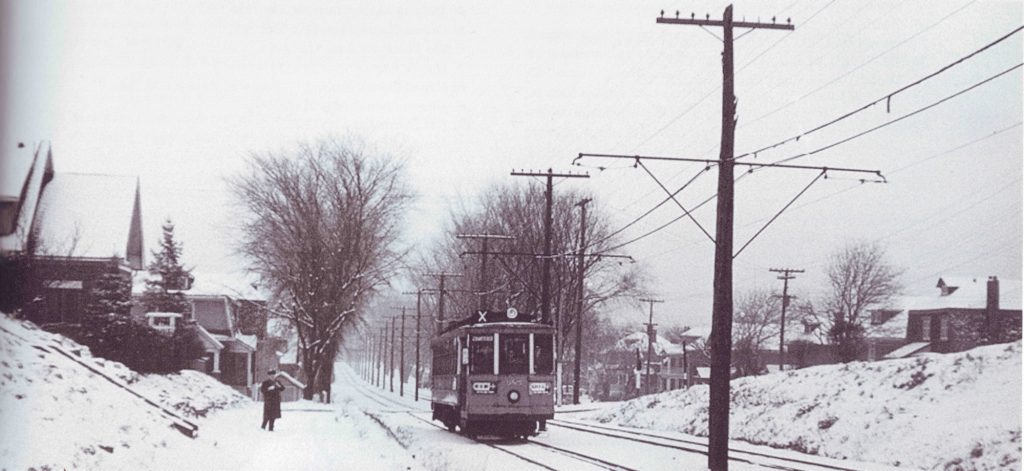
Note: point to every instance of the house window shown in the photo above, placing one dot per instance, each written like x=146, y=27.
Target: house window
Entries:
x=943, y=328
x=926, y=328
x=161, y=321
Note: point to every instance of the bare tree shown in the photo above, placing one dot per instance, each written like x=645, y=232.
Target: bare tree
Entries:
x=515, y=280
x=322, y=226
x=754, y=326
x=859, y=278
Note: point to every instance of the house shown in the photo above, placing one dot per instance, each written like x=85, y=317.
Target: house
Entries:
x=218, y=305
x=682, y=367
x=968, y=312
x=625, y=366
x=69, y=229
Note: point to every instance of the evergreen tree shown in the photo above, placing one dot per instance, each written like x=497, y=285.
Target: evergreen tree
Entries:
x=110, y=294
x=167, y=276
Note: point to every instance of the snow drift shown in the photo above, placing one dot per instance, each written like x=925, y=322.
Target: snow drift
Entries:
x=957, y=411
x=57, y=414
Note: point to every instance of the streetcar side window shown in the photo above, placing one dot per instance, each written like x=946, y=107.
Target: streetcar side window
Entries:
x=481, y=354
x=543, y=358
x=514, y=358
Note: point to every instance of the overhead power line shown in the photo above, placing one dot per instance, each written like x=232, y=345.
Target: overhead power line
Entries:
x=885, y=98
x=862, y=65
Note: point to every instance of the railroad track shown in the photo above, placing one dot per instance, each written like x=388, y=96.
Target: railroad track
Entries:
x=738, y=455
x=386, y=401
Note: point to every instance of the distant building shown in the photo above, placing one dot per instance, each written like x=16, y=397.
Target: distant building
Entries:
x=229, y=316
x=967, y=313
x=69, y=229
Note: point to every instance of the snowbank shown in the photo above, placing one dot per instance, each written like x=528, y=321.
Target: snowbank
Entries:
x=956, y=411
x=57, y=414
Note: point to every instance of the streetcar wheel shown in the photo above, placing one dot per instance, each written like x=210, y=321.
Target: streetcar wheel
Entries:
x=451, y=426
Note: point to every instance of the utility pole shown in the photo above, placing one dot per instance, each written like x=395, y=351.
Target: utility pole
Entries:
x=787, y=274
x=391, y=364
x=545, y=289
x=650, y=341
x=401, y=360
x=579, y=311
x=483, y=289
x=721, y=328
x=419, y=294
x=440, y=295
x=380, y=355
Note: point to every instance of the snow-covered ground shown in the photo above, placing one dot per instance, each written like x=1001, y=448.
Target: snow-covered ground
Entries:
x=57, y=414
x=954, y=412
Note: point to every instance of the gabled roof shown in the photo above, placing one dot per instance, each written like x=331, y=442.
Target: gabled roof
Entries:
x=639, y=340
x=238, y=285
x=291, y=379
x=22, y=177
x=91, y=216
x=213, y=316
x=965, y=292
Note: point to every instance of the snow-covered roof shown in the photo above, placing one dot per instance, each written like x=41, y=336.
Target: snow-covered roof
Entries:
x=662, y=346
x=237, y=285
x=249, y=340
x=23, y=176
x=91, y=216
x=291, y=379
x=209, y=339
x=907, y=350
x=967, y=293
x=163, y=314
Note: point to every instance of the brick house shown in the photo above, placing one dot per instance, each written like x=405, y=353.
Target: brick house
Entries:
x=967, y=313
x=71, y=228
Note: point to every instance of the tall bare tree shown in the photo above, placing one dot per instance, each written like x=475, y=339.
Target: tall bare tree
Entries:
x=515, y=280
x=755, y=324
x=859, y=278
x=322, y=225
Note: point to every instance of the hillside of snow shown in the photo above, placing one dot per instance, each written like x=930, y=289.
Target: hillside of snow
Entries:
x=57, y=414
x=957, y=411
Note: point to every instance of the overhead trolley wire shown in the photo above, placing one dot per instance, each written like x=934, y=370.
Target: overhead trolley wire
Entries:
x=862, y=65
x=901, y=118
x=886, y=98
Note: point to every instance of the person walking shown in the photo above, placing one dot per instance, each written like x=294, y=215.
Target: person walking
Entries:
x=271, y=389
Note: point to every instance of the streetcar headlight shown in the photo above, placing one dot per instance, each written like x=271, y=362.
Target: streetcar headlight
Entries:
x=513, y=396
x=485, y=388
x=540, y=388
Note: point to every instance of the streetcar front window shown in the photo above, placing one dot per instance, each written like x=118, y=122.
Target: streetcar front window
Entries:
x=543, y=356
x=481, y=354
x=514, y=357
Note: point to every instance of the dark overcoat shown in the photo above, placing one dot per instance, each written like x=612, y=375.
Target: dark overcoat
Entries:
x=271, y=390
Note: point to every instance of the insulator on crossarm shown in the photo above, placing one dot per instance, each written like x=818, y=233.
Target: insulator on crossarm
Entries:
x=787, y=21
x=773, y=20
x=662, y=15
x=707, y=16
x=677, y=14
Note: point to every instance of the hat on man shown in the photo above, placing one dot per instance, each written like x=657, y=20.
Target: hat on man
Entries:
x=271, y=372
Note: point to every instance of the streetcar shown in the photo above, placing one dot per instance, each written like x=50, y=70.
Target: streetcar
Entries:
x=493, y=375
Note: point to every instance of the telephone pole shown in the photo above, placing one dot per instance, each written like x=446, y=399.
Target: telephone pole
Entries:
x=787, y=274
x=379, y=367
x=579, y=312
x=721, y=327
x=650, y=341
x=483, y=289
x=391, y=364
x=440, y=295
x=401, y=358
x=545, y=289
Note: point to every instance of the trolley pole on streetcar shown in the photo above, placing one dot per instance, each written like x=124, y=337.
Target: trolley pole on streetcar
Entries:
x=650, y=342
x=482, y=289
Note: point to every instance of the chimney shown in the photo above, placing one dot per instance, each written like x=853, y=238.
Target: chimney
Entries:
x=992, y=300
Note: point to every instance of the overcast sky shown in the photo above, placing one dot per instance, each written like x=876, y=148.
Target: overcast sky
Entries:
x=179, y=93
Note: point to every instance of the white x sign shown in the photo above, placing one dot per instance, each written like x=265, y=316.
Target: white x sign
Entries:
x=483, y=316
